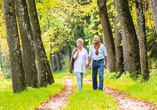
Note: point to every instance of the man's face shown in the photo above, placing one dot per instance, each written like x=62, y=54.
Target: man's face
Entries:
x=96, y=39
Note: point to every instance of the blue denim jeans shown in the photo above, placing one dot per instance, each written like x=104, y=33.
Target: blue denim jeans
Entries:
x=79, y=77
x=95, y=67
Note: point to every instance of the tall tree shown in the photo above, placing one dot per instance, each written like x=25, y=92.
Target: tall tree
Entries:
x=154, y=9
x=129, y=38
x=16, y=65
x=28, y=45
x=108, y=38
x=1, y=59
x=142, y=40
x=54, y=68
x=43, y=67
x=118, y=46
x=59, y=67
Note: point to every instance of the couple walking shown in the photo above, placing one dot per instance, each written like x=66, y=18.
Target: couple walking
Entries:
x=80, y=58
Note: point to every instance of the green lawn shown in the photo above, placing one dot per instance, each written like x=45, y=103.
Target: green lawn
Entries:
x=87, y=98
x=90, y=99
x=28, y=99
x=146, y=90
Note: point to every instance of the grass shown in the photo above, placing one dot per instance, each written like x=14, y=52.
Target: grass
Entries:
x=89, y=98
x=30, y=98
x=145, y=91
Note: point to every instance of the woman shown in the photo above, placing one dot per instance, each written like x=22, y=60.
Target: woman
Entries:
x=80, y=56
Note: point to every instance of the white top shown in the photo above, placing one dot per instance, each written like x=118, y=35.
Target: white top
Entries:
x=81, y=61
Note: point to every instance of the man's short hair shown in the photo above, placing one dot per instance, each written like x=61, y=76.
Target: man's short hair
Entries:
x=97, y=36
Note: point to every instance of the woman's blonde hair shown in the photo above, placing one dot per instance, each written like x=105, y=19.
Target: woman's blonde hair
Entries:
x=80, y=40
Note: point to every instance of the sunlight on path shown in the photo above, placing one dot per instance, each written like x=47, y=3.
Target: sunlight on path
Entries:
x=59, y=101
x=125, y=102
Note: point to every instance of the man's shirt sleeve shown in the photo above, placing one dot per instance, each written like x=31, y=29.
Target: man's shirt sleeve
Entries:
x=90, y=51
x=104, y=52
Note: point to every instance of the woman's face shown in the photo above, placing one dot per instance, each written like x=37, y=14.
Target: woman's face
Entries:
x=79, y=43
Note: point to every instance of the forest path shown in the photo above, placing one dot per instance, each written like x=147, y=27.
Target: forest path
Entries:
x=59, y=100
x=124, y=101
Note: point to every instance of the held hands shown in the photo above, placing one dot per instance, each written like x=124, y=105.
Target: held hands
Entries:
x=105, y=66
x=89, y=66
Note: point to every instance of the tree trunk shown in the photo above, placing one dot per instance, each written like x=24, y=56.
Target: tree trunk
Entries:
x=51, y=55
x=108, y=38
x=70, y=51
x=50, y=78
x=1, y=60
x=43, y=67
x=58, y=61
x=16, y=65
x=53, y=62
x=154, y=10
x=146, y=4
x=142, y=40
x=129, y=38
x=28, y=45
x=118, y=47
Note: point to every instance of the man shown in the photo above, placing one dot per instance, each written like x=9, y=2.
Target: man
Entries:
x=97, y=53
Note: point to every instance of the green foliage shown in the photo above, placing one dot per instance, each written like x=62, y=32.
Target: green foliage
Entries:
x=65, y=62
x=1, y=75
x=152, y=44
x=89, y=98
x=29, y=99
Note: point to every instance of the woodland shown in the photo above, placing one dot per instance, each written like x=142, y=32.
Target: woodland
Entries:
x=36, y=42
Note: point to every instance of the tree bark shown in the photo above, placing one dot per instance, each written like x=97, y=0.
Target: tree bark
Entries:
x=108, y=38
x=129, y=38
x=142, y=40
x=154, y=10
x=118, y=46
x=146, y=4
x=53, y=62
x=58, y=61
x=1, y=60
x=28, y=45
x=44, y=71
x=16, y=65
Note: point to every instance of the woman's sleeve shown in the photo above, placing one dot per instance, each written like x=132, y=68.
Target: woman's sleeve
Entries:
x=74, y=54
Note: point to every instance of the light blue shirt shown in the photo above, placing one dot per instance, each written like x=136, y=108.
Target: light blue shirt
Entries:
x=101, y=55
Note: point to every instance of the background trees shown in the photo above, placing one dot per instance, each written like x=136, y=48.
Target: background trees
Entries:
x=16, y=64
x=107, y=34
x=18, y=72
x=142, y=39
x=28, y=45
x=129, y=38
x=56, y=25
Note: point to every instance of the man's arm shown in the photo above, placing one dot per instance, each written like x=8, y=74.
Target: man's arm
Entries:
x=89, y=65
x=89, y=59
x=105, y=62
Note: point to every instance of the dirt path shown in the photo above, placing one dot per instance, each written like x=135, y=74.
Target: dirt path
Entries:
x=59, y=101
x=125, y=102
